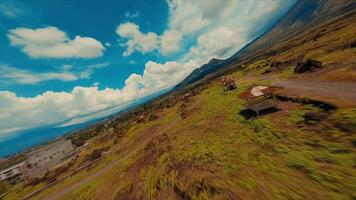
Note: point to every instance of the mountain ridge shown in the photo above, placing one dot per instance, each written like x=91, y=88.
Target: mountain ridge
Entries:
x=302, y=11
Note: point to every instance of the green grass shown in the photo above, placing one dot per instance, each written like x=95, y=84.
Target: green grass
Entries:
x=215, y=153
x=288, y=73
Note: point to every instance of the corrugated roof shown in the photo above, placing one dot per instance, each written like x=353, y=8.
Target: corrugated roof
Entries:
x=257, y=91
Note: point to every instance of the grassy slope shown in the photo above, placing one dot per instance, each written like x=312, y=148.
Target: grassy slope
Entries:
x=329, y=42
x=216, y=153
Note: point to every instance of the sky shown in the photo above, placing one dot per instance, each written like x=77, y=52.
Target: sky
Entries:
x=66, y=62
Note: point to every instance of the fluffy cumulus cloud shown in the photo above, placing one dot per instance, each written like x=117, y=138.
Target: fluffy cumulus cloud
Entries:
x=230, y=25
x=197, y=19
x=187, y=17
x=218, y=43
x=50, y=42
x=53, y=107
x=170, y=41
x=136, y=40
x=156, y=77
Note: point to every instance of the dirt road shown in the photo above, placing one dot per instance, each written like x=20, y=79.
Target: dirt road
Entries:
x=338, y=93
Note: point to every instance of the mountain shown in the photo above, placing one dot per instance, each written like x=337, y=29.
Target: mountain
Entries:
x=303, y=16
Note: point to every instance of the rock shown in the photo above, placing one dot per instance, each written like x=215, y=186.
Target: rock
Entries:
x=308, y=66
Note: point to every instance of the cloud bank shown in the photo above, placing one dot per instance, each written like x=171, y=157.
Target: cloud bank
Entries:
x=55, y=107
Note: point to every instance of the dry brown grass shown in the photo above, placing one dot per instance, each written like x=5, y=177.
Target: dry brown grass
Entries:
x=343, y=74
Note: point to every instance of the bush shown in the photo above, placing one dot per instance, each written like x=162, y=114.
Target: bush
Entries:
x=308, y=66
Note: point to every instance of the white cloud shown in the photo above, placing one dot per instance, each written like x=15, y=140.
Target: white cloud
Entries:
x=11, y=75
x=130, y=15
x=53, y=107
x=50, y=42
x=190, y=20
x=87, y=70
x=157, y=77
x=232, y=24
x=136, y=40
x=14, y=75
x=141, y=42
x=187, y=16
x=170, y=42
x=218, y=43
x=82, y=103
x=11, y=9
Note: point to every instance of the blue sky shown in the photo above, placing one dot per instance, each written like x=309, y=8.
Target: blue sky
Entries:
x=64, y=62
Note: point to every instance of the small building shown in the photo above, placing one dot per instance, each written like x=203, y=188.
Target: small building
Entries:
x=48, y=157
x=260, y=98
x=11, y=172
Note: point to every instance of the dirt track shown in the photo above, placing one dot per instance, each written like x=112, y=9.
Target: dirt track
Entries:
x=338, y=93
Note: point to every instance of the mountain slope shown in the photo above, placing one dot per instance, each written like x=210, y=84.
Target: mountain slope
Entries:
x=302, y=17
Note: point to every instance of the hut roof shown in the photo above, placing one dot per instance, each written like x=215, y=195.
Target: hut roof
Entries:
x=258, y=91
